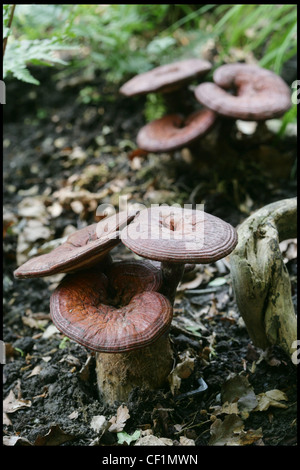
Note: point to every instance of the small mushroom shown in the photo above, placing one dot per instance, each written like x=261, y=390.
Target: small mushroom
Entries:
x=169, y=80
x=258, y=94
x=181, y=125
x=120, y=315
x=166, y=78
x=176, y=236
x=173, y=132
x=82, y=249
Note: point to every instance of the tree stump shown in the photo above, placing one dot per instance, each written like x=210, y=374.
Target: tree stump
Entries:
x=260, y=278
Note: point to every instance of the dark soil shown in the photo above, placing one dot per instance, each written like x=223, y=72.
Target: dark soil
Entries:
x=232, y=174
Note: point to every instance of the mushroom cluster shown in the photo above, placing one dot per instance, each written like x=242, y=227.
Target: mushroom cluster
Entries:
x=123, y=310
x=238, y=91
x=179, y=127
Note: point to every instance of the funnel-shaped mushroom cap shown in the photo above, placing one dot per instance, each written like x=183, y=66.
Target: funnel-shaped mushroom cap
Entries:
x=82, y=249
x=179, y=235
x=117, y=312
x=172, y=131
x=260, y=93
x=166, y=78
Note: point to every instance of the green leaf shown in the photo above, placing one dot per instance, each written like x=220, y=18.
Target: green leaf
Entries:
x=159, y=45
x=21, y=53
x=194, y=330
x=219, y=281
x=62, y=344
x=20, y=351
x=23, y=74
x=128, y=438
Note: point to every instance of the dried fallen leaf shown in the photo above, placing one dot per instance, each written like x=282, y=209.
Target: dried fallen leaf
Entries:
x=184, y=441
x=84, y=372
x=151, y=440
x=34, y=230
x=50, y=331
x=271, y=398
x=35, y=371
x=6, y=421
x=193, y=284
x=15, y=441
x=71, y=360
x=137, y=153
x=32, y=207
x=182, y=371
x=250, y=436
x=46, y=358
x=118, y=422
x=99, y=424
x=77, y=207
x=230, y=432
x=34, y=323
x=54, y=437
x=226, y=432
x=12, y=404
x=73, y=415
x=55, y=209
x=238, y=390
x=226, y=408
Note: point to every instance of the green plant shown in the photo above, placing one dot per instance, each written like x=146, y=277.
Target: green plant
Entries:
x=267, y=31
x=119, y=37
x=18, y=52
x=124, y=40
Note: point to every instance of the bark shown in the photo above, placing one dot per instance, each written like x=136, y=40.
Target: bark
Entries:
x=147, y=368
x=261, y=281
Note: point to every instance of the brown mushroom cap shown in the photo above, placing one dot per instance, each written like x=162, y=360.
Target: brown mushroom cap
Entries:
x=165, y=78
x=172, y=131
x=117, y=312
x=82, y=249
x=179, y=235
x=260, y=93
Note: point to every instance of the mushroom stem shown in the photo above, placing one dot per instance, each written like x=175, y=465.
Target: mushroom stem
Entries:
x=172, y=274
x=146, y=368
x=179, y=101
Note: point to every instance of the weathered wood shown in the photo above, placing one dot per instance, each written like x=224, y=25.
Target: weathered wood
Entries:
x=260, y=278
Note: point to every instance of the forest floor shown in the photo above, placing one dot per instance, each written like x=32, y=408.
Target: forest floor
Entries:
x=69, y=145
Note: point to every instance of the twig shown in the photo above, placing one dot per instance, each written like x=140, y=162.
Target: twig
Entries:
x=208, y=290
x=9, y=25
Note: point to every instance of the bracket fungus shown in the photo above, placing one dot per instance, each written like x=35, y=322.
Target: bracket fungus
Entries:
x=258, y=94
x=173, y=132
x=121, y=313
x=175, y=236
x=181, y=125
x=123, y=309
x=82, y=249
x=166, y=78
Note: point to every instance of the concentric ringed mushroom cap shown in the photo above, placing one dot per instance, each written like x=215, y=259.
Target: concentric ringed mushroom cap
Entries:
x=82, y=249
x=179, y=235
x=127, y=278
x=82, y=308
x=260, y=93
x=165, y=78
x=172, y=131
